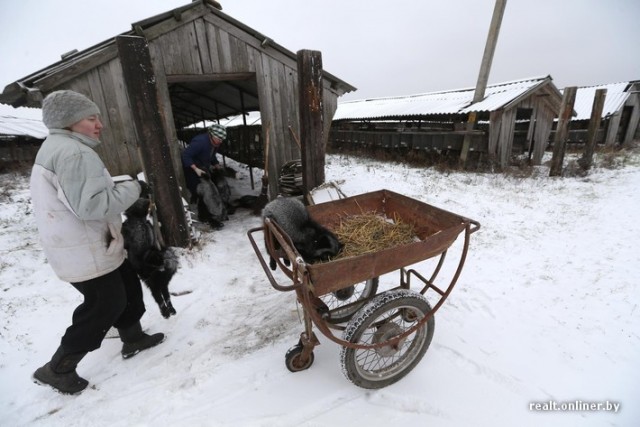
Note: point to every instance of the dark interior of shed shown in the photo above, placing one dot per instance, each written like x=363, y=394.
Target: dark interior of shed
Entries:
x=196, y=100
x=211, y=99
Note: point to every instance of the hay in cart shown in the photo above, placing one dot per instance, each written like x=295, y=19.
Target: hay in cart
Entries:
x=371, y=232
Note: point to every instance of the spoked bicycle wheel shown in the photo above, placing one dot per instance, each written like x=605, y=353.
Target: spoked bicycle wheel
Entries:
x=336, y=301
x=385, y=317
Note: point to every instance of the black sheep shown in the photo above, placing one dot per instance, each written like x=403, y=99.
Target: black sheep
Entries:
x=155, y=266
x=313, y=241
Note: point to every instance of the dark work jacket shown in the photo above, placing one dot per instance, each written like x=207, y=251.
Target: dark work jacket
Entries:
x=201, y=153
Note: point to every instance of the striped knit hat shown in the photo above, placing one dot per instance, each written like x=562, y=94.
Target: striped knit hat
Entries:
x=218, y=131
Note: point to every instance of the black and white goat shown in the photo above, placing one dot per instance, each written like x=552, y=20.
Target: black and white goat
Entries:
x=313, y=241
x=154, y=265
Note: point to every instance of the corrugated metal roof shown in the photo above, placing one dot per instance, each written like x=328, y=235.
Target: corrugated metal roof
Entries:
x=16, y=126
x=445, y=102
x=613, y=101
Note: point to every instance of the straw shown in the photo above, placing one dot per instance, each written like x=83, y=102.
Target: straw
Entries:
x=371, y=232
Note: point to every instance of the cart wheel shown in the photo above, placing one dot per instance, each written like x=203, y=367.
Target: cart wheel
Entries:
x=386, y=316
x=293, y=359
x=353, y=294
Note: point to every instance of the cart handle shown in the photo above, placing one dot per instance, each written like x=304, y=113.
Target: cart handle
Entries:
x=475, y=224
x=265, y=267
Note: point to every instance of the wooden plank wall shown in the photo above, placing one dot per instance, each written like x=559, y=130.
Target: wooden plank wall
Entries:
x=214, y=47
x=612, y=128
x=632, y=126
x=495, y=125
x=544, y=123
x=103, y=85
x=505, y=140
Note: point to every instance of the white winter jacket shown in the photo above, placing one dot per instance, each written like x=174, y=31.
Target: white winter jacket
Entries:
x=78, y=207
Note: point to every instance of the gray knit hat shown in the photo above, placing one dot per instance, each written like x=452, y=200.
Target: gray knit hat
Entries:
x=218, y=131
x=62, y=108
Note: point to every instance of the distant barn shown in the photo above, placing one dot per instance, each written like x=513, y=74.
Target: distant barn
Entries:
x=620, y=114
x=20, y=139
x=514, y=117
x=436, y=120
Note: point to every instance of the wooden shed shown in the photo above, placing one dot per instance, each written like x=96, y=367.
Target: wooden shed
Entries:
x=620, y=119
x=514, y=116
x=202, y=65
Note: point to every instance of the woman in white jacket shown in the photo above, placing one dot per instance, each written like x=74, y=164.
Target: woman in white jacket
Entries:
x=78, y=210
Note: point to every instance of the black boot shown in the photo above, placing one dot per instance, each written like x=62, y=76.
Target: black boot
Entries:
x=134, y=340
x=60, y=373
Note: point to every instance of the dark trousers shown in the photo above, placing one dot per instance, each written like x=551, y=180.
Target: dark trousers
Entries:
x=192, y=180
x=114, y=299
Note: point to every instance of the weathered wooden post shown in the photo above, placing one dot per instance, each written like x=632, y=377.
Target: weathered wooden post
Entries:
x=312, y=143
x=562, y=130
x=586, y=160
x=148, y=115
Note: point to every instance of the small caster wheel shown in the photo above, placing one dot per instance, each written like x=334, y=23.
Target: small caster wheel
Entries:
x=293, y=359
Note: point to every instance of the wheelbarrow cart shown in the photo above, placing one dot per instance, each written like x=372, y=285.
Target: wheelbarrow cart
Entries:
x=383, y=334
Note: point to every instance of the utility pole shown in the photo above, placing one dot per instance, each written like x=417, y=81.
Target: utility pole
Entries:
x=483, y=76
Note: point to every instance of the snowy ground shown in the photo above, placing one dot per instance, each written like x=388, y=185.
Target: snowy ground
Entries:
x=546, y=310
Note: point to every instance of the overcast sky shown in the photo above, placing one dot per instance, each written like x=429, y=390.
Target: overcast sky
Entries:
x=383, y=48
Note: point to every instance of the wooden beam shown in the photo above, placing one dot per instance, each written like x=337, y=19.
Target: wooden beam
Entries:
x=74, y=67
x=154, y=144
x=594, y=124
x=562, y=131
x=531, y=128
x=153, y=30
x=311, y=118
x=215, y=77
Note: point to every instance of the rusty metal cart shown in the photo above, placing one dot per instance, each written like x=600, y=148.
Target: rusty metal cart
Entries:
x=384, y=334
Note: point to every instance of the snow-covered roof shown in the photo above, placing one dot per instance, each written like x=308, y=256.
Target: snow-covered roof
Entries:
x=446, y=102
x=613, y=101
x=253, y=118
x=17, y=126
